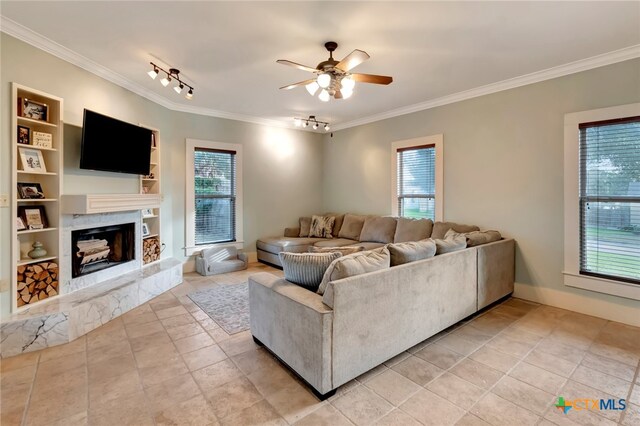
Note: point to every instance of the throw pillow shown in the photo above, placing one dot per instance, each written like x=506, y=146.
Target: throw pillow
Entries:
x=355, y=264
x=450, y=244
x=343, y=250
x=337, y=224
x=412, y=229
x=351, y=226
x=321, y=226
x=306, y=269
x=305, y=226
x=378, y=229
x=411, y=251
x=441, y=228
x=476, y=238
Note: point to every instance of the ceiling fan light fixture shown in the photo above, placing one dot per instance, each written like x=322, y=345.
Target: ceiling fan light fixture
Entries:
x=324, y=80
x=312, y=88
x=179, y=88
x=189, y=94
x=346, y=94
x=324, y=96
x=347, y=83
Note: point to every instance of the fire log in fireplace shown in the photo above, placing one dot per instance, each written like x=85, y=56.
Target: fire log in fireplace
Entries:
x=99, y=248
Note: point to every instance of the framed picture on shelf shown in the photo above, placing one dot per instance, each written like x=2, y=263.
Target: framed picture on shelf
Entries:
x=24, y=135
x=145, y=230
x=31, y=109
x=147, y=212
x=43, y=140
x=20, y=224
x=30, y=191
x=153, y=140
x=32, y=160
x=35, y=217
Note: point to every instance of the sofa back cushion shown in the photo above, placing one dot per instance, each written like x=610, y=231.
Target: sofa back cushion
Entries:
x=476, y=238
x=306, y=269
x=321, y=226
x=378, y=229
x=441, y=228
x=352, y=226
x=451, y=244
x=412, y=229
x=337, y=224
x=411, y=251
x=305, y=226
x=355, y=264
x=343, y=250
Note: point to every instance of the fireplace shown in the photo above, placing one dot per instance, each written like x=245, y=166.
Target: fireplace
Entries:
x=95, y=249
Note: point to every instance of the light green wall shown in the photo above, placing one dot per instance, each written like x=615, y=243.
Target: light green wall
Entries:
x=503, y=163
x=280, y=165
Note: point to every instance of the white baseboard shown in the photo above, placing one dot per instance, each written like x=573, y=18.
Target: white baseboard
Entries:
x=578, y=303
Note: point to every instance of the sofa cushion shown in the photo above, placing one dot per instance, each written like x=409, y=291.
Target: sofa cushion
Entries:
x=367, y=245
x=321, y=226
x=411, y=251
x=378, y=229
x=343, y=250
x=451, y=244
x=335, y=242
x=476, y=238
x=441, y=228
x=278, y=244
x=306, y=269
x=355, y=264
x=409, y=229
x=305, y=226
x=351, y=226
x=337, y=224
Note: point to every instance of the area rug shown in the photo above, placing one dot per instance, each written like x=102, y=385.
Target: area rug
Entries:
x=227, y=305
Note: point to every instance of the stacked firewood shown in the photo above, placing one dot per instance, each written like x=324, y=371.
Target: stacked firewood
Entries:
x=37, y=282
x=92, y=250
x=150, y=250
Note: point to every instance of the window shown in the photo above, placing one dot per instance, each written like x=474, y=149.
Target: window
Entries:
x=417, y=178
x=610, y=199
x=213, y=194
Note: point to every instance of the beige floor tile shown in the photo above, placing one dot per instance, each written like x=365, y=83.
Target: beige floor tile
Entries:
x=127, y=410
x=178, y=320
x=476, y=373
x=47, y=387
x=615, y=352
x=294, y=402
x=454, y=389
x=193, y=412
x=215, y=375
x=396, y=359
x=238, y=343
x=14, y=398
x=250, y=361
x=171, y=312
x=201, y=315
x=392, y=386
x=271, y=380
x=634, y=398
x=570, y=338
x=164, y=301
x=61, y=365
x=233, y=397
x=491, y=323
x=78, y=345
x=397, y=417
x=561, y=350
x=57, y=403
x=326, y=415
x=632, y=416
x=362, y=406
x=471, y=420
x=430, y=409
x=439, y=355
x=609, y=366
x=601, y=381
x=203, y=357
x=523, y=305
x=261, y=413
x=100, y=338
x=114, y=387
x=365, y=377
x=511, y=345
x=494, y=359
x=104, y=353
x=459, y=344
x=17, y=377
x=19, y=361
x=171, y=392
x=574, y=390
x=182, y=331
x=139, y=330
x=540, y=326
x=621, y=335
x=469, y=332
x=13, y=416
x=192, y=343
x=538, y=377
x=417, y=370
x=142, y=318
x=155, y=355
x=218, y=334
x=500, y=412
x=523, y=394
x=551, y=363
x=152, y=340
x=78, y=419
x=112, y=367
x=509, y=311
x=171, y=368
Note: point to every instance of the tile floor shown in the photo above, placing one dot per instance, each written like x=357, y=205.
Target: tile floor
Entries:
x=167, y=363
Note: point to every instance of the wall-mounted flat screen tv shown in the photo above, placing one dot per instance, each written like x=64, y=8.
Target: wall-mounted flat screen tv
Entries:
x=113, y=145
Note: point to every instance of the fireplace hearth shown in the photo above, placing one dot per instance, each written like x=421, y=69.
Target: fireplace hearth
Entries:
x=95, y=249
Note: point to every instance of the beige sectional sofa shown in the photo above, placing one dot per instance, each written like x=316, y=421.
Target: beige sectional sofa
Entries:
x=364, y=320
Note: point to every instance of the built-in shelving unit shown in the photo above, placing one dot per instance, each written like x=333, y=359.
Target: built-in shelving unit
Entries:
x=151, y=185
x=40, y=284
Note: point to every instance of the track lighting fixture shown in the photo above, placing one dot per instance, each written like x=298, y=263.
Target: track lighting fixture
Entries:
x=304, y=122
x=172, y=74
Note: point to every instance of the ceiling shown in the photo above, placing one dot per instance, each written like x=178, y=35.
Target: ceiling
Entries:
x=228, y=50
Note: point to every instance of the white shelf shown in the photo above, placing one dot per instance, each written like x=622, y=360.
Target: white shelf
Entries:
x=34, y=121
x=41, y=148
x=29, y=261
x=153, y=216
x=35, y=231
x=36, y=200
x=149, y=236
x=24, y=172
x=149, y=180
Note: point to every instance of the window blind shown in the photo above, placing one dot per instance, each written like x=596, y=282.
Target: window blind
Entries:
x=416, y=182
x=610, y=199
x=215, y=196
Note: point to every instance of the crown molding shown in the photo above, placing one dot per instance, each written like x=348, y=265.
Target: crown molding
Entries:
x=29, y=36
x=609, y=58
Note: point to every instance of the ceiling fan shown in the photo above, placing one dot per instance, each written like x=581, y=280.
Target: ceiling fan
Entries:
x=333, y=77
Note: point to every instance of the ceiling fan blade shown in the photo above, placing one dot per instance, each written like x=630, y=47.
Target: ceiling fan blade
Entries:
x=352, y=60
x=338, y=95
x=296, y=65
x=300, y=83
x=371, y=78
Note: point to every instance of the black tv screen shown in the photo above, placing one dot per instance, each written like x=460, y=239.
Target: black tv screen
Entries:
x=114, y=146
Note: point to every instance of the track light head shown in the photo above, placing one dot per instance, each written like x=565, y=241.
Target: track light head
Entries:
x=326, y=127
x=297, y=122
x=305, y=124
x=166, y=80
x=189, y=94
x=153, y=73
x=179, y=88
x=315, y=126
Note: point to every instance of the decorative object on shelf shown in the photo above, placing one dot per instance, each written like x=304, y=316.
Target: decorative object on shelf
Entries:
x=147, y=212
x=36, y=282
x=172, y=74
x=43, y=140
x=30, y=191
x=32, y=160
x=145, y=189
x=31, y=109
x=35, y=217
x=20, y=224
x=153, y=140
x=333, y=77
x=304, y=122
x=150, y=250
x=149, y=176
x=38, y=251
x=145, y=230
x=24, y=135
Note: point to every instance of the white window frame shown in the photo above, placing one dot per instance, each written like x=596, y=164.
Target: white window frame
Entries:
x=571, y=270
x=436, y=140
x=190, y=209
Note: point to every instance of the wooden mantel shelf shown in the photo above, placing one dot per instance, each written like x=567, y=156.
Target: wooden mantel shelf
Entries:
x=108, y=203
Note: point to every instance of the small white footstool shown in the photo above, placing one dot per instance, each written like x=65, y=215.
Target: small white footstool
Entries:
x=220, y=260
